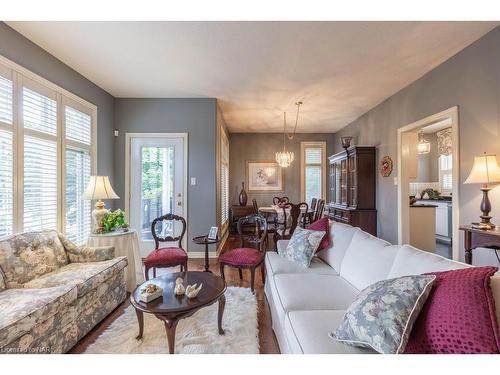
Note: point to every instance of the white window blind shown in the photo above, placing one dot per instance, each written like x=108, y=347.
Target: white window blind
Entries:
x=5, y=100
x=6, y=155
x=445, y=173
x=78, y=125
x=6, y=184
x=78, y=221
x=39, y=112
x=224, y=183
x=313, y=166
x=40, y=184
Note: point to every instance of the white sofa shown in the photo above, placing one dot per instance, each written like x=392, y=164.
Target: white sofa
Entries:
x=308, y=303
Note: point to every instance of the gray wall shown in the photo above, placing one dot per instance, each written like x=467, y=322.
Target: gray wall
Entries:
x=197, y=117
x=263, y=146
x=22, y=51
x=428, y=163
x=470, y=80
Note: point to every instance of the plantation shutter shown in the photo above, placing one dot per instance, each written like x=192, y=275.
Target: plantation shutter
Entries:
x=224, y=183
x=78, y=134
x=6, y=154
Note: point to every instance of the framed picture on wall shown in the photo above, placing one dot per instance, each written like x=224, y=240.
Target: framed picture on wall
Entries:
x=264, y=176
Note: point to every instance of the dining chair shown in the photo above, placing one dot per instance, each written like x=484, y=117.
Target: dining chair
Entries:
x=255, y=206
x=165, y=257
x=297, y=212
x=251, y=252
x=276, y=200
x=319, y=209
x=314, y=201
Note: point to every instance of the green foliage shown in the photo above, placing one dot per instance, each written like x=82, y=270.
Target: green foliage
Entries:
x=113, y=220
x=433, y=194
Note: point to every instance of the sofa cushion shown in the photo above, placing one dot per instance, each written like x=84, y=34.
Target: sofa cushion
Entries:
x=276, y=264
x=308, y=291
x=368, y=259
x=23, y=309
x=26, y=256
x=85, y=276
x=383, y=314
x=459, y=315
x=307, y=332
x=303, y=245
x=411, y=261
x=322, y=225
x=340, y=237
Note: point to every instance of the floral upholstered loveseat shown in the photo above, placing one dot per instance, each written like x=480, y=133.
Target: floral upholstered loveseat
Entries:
x=52, y=293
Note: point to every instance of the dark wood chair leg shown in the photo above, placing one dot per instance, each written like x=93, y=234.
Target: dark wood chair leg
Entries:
x=241, y=273
x=146, y=273
x=252, y=279
x=263, y=273
x=154, y=271
x=221, y=266
x=185, y=267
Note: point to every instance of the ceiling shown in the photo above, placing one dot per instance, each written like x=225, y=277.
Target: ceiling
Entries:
x=257, y=70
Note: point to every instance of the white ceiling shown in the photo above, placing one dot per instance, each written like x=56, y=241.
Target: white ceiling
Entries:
x=257, y=70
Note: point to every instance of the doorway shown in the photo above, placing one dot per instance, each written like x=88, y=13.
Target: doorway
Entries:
x=428, y=184
x=156, y=175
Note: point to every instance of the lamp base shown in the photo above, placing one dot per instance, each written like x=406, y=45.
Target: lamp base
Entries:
x=97, y=217
x=485, y=223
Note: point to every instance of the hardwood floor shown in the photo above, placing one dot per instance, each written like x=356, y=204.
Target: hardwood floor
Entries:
x=267, y=340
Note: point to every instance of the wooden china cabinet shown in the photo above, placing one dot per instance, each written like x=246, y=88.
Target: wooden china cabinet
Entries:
x=352, y=188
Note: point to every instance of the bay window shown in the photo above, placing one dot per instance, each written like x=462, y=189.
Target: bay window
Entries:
x=46, y=155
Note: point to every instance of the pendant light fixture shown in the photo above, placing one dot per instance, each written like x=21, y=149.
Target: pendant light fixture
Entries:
x=285, y=158
x=423, y=147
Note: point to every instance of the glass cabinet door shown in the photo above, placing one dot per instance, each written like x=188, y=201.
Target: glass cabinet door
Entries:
x=343, y=179
x=353, y=183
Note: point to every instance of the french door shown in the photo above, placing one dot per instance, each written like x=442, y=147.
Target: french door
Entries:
x=157, y=184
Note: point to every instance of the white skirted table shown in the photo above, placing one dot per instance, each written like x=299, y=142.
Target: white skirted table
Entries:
x=125, y=244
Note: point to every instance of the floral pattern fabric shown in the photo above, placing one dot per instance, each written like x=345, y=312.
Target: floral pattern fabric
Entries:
x=444, y=141
x=79, y=254
x=85, y=276
x=384, y=313
x=26, y=256
x=47, y=307
x=303, y=245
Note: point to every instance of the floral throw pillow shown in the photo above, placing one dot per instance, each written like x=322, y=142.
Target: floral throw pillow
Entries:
x=383, y=314
x=303, y=245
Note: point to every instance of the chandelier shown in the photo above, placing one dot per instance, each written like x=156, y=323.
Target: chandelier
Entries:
x=423, y=147
x=285, y=158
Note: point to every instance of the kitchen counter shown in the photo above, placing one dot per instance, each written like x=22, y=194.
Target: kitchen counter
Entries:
x=423, y=226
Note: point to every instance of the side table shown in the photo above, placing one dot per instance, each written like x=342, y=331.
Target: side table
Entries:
x=125, y=244
x=204, y=240
x=473, y=238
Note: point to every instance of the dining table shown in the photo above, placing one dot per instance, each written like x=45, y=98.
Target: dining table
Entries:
x=278, y=211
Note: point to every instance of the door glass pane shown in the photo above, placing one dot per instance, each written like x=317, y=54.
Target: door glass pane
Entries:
x=313, y=182
x=157, y=189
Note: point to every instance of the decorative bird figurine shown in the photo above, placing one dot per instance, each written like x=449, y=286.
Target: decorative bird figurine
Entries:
x=179, y=289
x=192, y=291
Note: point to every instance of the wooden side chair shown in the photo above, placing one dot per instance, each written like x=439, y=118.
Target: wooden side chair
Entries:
x=247, y=256
x=255, y=206
x=319, y=209
x=276, y=200
x=314, y=201
x=166, y=256
x=297, y=211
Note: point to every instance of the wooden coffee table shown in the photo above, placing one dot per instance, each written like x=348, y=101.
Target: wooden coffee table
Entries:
x=171, y=308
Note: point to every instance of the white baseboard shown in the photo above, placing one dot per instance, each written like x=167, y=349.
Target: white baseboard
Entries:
x=201, y=254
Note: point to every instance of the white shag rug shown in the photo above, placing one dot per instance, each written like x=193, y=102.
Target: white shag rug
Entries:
x=197, y=334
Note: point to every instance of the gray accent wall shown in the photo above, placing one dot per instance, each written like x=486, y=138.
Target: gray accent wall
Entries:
x=470, y=80
x=197, y=117
x=24, y=52
x=263, y=146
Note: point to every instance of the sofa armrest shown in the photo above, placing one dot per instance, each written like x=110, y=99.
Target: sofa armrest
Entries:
x=83, y=254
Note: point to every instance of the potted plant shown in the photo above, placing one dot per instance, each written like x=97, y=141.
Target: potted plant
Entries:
x=114, y=220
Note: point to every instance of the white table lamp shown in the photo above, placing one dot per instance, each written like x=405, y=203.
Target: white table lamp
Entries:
x=485, y=170
x=98, y=189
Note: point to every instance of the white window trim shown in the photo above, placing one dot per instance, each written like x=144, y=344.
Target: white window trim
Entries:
x=24, y=77
x=303, y=146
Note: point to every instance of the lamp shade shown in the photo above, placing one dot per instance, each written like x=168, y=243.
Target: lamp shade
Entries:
x=485, y=170
x=99, y=188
